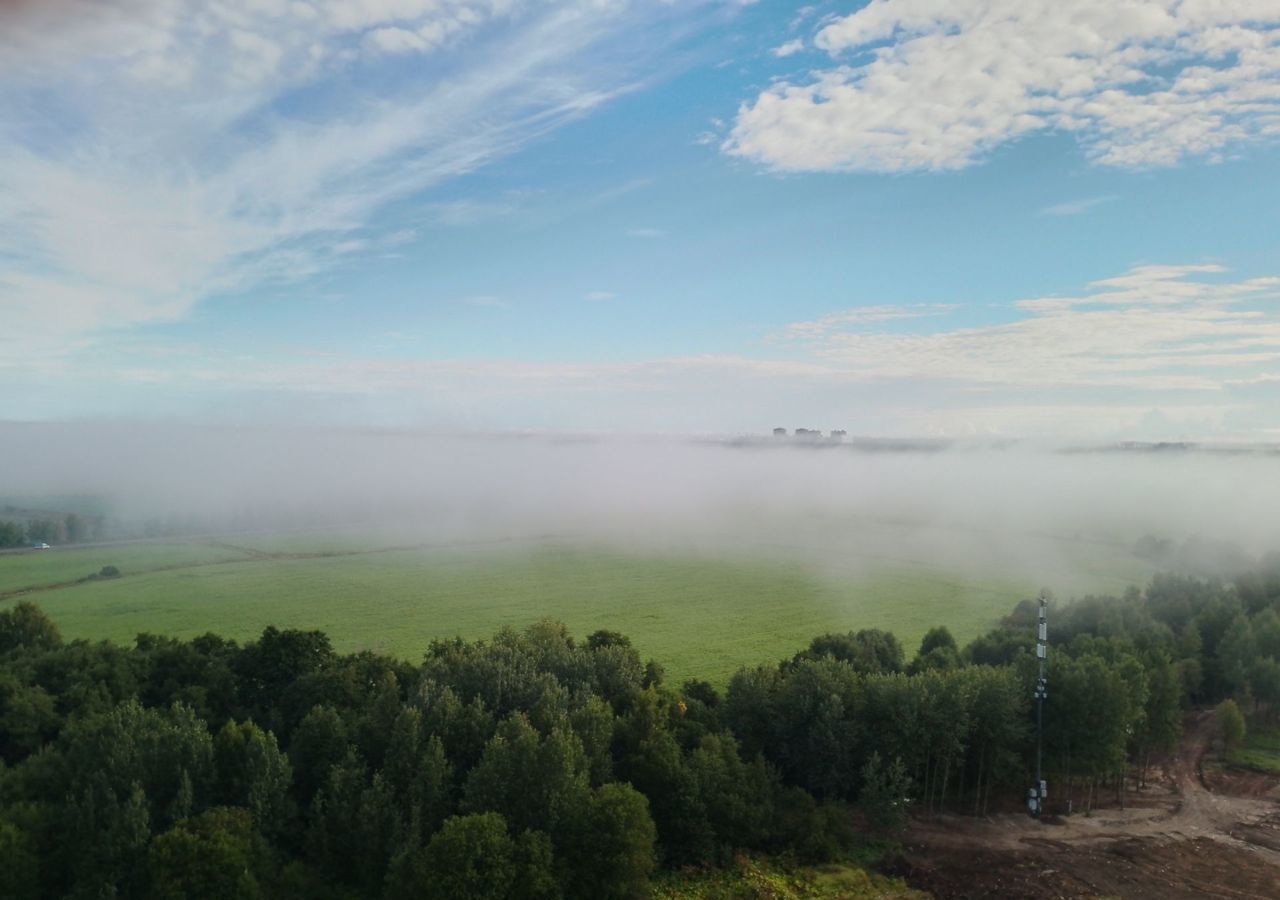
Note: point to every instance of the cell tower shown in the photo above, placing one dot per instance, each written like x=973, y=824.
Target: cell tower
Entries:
x=1039, y=792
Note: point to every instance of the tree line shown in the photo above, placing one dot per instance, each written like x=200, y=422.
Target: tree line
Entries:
x=537, y=765
x=71, y=528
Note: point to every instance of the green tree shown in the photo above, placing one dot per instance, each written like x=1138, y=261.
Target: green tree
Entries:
x=19, y=864
x=77, y=528
x=1265, y=680
x=215, y=854
x=885, y=794
x=534, y=782
x=938, y=637
x=103, y=841
x=418, y=776
x=272, y=665
x=614, y=851
x=332, y=839
x=1231, y=720
x=735, y=796
x=28, y=718
x=254, y=774
x=1162, y=723
x=25, y=626
x=320, y=742
x=535, y=867
x=870, y=651
x=1000, y=647
x=48, y=531
x=166, y=753
x=469, y=858
x=12, y=534
x=1237, y=652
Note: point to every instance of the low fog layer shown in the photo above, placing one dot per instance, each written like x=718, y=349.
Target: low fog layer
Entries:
x=971, y=505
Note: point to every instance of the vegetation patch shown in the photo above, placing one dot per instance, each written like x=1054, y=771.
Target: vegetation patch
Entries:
x=1260, y=751
x=764, y=878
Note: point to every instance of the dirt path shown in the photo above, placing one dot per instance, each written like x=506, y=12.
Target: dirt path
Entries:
x=1178, y=840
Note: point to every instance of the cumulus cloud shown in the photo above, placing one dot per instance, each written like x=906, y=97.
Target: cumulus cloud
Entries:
x=937, y=84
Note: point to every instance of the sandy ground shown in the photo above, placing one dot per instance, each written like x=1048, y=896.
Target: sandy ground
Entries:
x=1183, y=838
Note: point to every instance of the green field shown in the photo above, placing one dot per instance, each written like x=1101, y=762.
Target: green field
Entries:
x=701, y=616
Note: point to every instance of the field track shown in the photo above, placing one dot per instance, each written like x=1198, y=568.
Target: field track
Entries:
x=242, y=554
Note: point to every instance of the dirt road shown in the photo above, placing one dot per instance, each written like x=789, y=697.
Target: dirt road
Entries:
x=1179, y=840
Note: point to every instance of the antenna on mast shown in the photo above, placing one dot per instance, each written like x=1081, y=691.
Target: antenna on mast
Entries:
x=1039, y=792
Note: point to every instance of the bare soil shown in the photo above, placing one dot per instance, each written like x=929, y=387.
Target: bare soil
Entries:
x=1185, y=836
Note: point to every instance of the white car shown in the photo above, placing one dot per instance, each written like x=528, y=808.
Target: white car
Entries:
x=40, y=546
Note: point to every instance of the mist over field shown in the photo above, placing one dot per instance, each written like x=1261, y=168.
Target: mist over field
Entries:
x=1006, y=507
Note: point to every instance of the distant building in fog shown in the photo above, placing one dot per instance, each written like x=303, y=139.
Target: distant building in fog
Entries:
x=779, y=432
x=838, y=435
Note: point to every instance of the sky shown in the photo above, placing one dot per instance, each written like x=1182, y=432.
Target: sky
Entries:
x=1014, y=218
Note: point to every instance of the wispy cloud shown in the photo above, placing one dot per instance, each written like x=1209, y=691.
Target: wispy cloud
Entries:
x=936, y=84
x=837, y=322
x=487, y=301
x=599, y=295
x=1189, y=341
x=173, y=162
x=646, y=232
x=1152, y=328
x=1077, y=207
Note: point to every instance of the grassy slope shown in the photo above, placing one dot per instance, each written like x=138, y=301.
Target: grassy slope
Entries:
x=700, y=617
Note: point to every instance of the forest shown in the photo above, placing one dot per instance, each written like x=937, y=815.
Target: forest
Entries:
x=538, y=765
x=49, y=528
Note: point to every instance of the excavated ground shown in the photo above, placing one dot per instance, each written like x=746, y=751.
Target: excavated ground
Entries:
x=1185, y=837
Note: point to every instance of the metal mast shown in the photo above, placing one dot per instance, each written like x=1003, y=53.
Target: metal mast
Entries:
x=1039, y=791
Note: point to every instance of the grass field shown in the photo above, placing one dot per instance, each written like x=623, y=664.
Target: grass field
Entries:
x=700, y=616
x=1261, y=750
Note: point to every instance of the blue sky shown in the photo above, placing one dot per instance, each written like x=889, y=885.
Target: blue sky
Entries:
x=916, y=217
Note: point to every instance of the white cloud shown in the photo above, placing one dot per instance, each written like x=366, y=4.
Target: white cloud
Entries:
x=1153, y=328
x=865, y=315
x=646, y=232
x=170, y=161
x=599, y=295
x=1077, y=207
x=487, y=301
x=1188, y=341
x=788, y=49
x=936, y=84
x=394, y=40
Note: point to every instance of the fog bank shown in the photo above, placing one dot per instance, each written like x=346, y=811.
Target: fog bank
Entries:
x=974, y=505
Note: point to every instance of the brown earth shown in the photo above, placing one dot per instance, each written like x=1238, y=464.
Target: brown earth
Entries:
x=1181, y=838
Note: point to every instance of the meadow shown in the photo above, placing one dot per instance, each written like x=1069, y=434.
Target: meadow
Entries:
x=703, y=614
